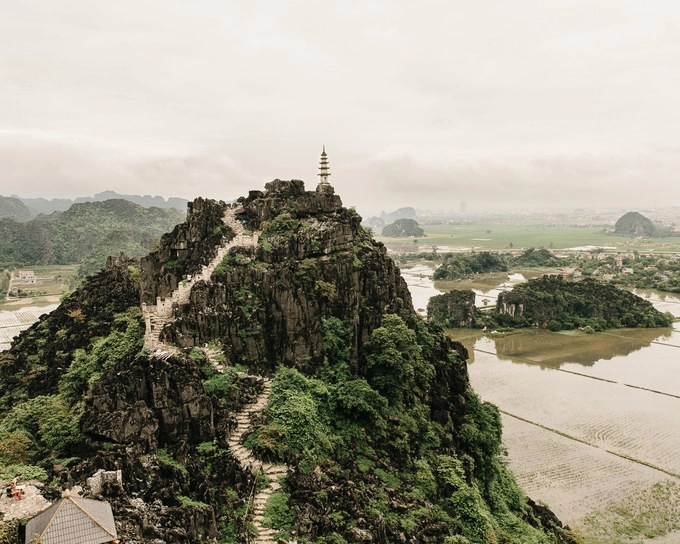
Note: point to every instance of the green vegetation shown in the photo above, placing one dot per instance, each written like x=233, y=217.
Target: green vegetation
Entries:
x=87, y=367
x=165, y=458
x=651, y=513
x=634, y=224
x=533, y=257
x=45, y=428
x=277, y=514
x=5, y=278
x=191, y=503
x=87, y=233
x=461, y=265
x=453, y=309
x=403, y=228
x=551, y=302
x=445, y=475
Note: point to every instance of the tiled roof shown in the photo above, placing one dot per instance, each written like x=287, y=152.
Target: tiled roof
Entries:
x=73, y=519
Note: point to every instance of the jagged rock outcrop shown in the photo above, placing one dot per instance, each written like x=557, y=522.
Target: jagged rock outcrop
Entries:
x=403, y=228
x=376, y=429
x=151, y=401
x=86, y=314
x=185, y=250
x=453, y=309
x=266, y=305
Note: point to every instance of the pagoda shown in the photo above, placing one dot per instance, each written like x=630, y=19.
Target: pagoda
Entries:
x=324, y=171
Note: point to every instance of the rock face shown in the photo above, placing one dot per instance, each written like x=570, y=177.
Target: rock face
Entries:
x=86, y=314
x=183, y=251
x=266, y=305
x=453, y=309
x=403, y=228
x=634, y=224
x=184, y=426
x=551, y=302
x=150, y=402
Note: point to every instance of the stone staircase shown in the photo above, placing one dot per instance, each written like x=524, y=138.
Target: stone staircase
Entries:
x=156, y=316
x=249, y=462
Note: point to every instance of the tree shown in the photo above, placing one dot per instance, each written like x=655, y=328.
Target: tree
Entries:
x=394, y=361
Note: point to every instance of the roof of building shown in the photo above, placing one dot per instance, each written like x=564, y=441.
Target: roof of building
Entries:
x=73, y=519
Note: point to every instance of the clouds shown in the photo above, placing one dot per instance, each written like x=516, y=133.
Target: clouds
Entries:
x=508, y=98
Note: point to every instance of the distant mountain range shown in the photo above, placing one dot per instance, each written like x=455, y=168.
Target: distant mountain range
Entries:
x=23, y=209
x=86, y=233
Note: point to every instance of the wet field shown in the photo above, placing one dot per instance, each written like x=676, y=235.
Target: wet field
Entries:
x=591, y=421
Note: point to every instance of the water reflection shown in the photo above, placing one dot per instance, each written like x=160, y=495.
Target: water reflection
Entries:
x=556, y=349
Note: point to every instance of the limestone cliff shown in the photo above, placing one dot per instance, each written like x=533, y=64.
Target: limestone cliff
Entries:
x=291, y=392
x=265, y=305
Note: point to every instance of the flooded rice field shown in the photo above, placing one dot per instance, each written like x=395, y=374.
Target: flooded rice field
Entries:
x=13, y=322
x=591, y=421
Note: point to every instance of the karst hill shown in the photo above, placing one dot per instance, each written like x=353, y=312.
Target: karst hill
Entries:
x=261, y=377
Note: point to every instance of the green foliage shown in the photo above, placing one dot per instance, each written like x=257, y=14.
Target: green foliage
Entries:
x=87, y=233
x=284, y=223
x=165, y=458
x=5, y=278
x=22, y=472
x=394, y=362
x=48, y=427
x=464, y=502
x=336, y=346
x=219, y=384
x=551, y=302
x=295, y=408
x=326, y=290
x=135, y=275
x=533, y=257
x=480, y=436
x=460, y=265
x=191, y=503
x=123, y=344
x=277, y=514
x=197, y=355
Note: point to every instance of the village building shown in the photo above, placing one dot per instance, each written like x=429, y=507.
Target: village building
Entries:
x=26, y=276
x=73, y=519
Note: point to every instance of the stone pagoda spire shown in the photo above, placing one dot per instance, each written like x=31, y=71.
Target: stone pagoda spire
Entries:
x=324, y=171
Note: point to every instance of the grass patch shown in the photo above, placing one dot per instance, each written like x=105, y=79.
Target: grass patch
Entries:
x=189, y=502
x=165, y=458
x=650, y=513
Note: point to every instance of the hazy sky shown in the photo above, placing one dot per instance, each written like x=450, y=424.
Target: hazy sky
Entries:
x=425, y=103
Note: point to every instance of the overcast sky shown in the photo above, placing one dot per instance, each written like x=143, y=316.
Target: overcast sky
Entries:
x=426, y=104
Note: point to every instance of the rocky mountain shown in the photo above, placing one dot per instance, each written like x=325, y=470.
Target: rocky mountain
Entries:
x=407, y=212
x=634, y=224
x=286, y=391
x=13, y=208
x=37, y=206
x=403, y=228
x=86, y=233
x=554, y=303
